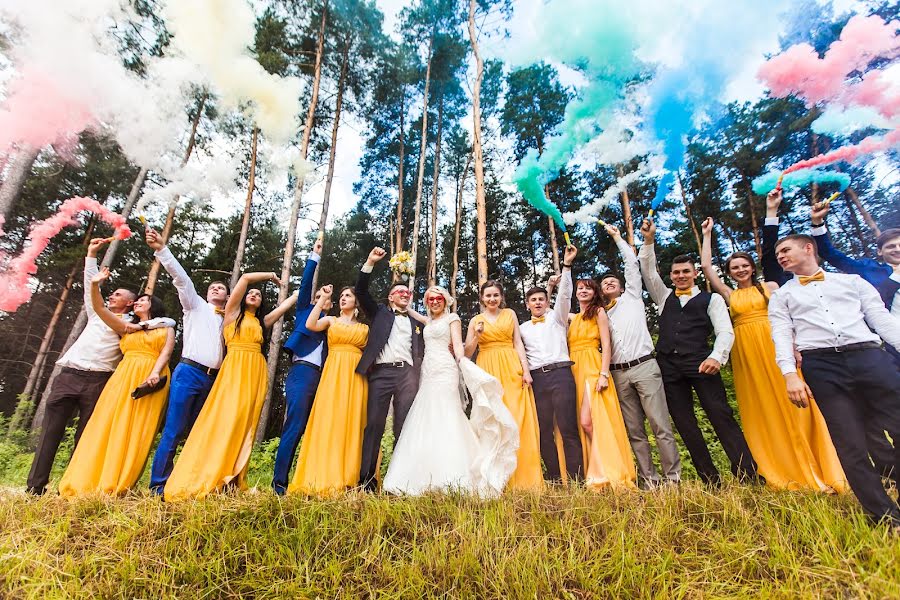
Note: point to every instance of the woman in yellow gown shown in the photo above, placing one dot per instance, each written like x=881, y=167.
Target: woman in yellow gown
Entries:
x=609, y=461
x=791, y=446
x=113, y=449
x=331, y=450
x=217, y=450
x=495, y=333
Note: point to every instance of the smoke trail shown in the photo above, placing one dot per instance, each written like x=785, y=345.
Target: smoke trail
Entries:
x=766, y=183
x=14, y=288
x=588, y=213
x=869, y=145
x=837, y=121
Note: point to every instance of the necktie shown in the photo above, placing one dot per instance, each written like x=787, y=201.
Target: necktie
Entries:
x=220, y=311
x=612, y=303
x=819, y=276
x=537, y=319
x=686, y=292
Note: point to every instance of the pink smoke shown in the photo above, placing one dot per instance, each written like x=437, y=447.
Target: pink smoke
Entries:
x=876, y=91
x=799, y=70
x=37, y=112
x=14, y=289
x=869, y=145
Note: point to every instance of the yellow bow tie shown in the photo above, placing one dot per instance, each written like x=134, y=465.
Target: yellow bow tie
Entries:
x=220, y=311
x=819, y=276
x=537, y=319
x=686, y=292
x=612, y=303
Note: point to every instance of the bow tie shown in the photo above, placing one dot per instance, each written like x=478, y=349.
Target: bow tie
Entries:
x=819, y=276
x=686, y=292
x=611, y=304
x=220, y=311
x=401, y=313
x=537, y=319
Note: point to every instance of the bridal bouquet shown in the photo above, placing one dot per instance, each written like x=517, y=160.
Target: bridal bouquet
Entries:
x=402, y=264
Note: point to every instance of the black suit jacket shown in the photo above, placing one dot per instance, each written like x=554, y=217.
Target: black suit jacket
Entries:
x=382, y=321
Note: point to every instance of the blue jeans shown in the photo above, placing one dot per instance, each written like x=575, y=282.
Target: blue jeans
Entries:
x=299, y=393
x=187, y=394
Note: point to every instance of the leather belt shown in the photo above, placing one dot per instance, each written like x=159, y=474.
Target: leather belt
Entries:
x=841, y=349
x=311, y=365
x=85, y=373
x=553, y=366
x=631, y=363
x=196, y=365
x=394, y=365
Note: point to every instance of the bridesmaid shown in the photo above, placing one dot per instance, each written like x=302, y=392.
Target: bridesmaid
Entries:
x=495, y=333
x=609, y=460
x=331, y=450
x=217, y=450
x=116, y=441
x=792, y=446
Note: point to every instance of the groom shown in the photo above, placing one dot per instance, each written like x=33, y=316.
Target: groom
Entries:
x=391, y=360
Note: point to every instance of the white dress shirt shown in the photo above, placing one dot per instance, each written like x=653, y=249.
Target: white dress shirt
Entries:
x=545, y=342
x=399, y=343
x=627, y=318
x=895, y=306
x=717, y=309
x=828, y=314
x=202, y=325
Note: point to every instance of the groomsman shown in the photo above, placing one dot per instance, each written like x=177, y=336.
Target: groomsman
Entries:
x=308, y=352
x=391, y=360
x=544, y=336
x=687, y=317
x=201, y=356
x=86, y=367
x=830, y=317
x=635, y=372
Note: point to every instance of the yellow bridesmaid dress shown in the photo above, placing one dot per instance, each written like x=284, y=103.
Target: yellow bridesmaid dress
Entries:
x=791, y=445
x=498, y=356
x=609, y=461
x=217, y=450
x=331, y=450
x=113, y=449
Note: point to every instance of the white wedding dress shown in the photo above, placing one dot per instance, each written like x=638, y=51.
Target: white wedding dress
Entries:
x=439, y=448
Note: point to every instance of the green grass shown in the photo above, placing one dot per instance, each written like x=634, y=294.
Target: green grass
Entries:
x=738, y=541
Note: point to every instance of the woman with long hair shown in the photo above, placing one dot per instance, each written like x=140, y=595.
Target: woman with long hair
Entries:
x=113, y=449
x=609, y=461
x=495, y=334
x=331, y=449
x=792, y=447
x=217, y=450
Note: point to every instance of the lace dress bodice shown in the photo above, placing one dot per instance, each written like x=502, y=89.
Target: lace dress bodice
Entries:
x=439, y=363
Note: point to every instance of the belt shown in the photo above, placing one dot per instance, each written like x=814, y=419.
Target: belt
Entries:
x=394, y=365
x=306, y=363
x=631, y=363
x=840, y=349
x=85, y=373
x=553, y=366
x=196, y=365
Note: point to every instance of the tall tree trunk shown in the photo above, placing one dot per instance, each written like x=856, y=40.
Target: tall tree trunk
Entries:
x=399, y=244
x=248, y=204
x=480, y=211
x=170, y=216
x=866, y=215
x=338, y=104
x=435, y=188
x=754, y=222
x=420, y=179
x=15, y=179
x=457, y=228
x=626, y=209
x=277, y=329
x=81, y=319
x=690, y=218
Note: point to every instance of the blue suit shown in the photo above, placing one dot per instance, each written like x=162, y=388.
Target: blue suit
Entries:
x=302, y=380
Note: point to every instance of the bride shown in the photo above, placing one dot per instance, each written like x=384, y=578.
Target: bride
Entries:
x=439, y=448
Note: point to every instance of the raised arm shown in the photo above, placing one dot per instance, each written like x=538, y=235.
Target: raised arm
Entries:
x=304, y=294
x=473, y=336
x=233, y=306
x=90, y=270
x=107, y=316
x=313, y=322
x=163, y=358
x=364, y=296
x=826, y=249
x=280, y=310
x=564, y=297
x=706, y=261
x=647, y=259
x=520, y=350
x=605, y=350
x=187, y=293
x=772, y=271
x=633, y=285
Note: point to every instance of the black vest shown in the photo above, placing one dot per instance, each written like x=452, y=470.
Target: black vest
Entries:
x=685, y=329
